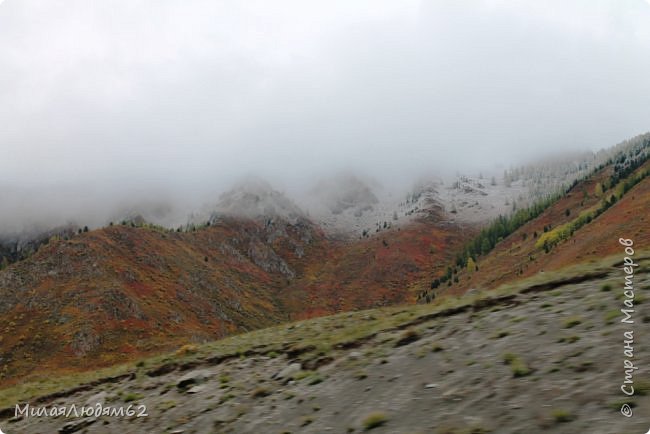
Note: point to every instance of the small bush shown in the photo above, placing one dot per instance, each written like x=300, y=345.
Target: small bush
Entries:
x=187, y=349
x=519, y=367
x=131, y=396
x=611, y=315
x=408, y=337
x=374, y=420
x=606, y=287
x=616, y=405
x=500, y=334
x=563, y=416
x=260, y=392
x=642, y=387
x=315, y=379
x=572, y=322
x=569, y=339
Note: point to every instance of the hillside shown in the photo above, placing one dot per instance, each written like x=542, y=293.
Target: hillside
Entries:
x=533, y=357
x=584, y=224
x=110, y=295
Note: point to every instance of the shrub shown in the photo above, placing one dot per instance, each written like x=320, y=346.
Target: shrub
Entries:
x=374, y=420
x=187, y=349
x=562, y=416
x=408, y=337
x=260, y=392
x=518, y=366
x=572, y=322
x=131, y=396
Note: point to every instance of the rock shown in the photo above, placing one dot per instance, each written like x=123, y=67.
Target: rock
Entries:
x=431, y=386
x=197, y=389
x=354, y=355
x=71, y=427
x=194, y=377
x=98, y=398
x=288, y=372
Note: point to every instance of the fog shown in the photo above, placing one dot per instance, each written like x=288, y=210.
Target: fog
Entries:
x=108, y=105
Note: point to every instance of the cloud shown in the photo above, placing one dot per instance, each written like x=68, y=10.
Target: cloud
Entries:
x=170, y=96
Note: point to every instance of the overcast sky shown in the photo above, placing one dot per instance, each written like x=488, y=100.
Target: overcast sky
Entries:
x=147, y=94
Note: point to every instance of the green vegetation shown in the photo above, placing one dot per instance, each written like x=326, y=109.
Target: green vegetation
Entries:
x=501, y=228
x=374, y=420
x=562, y=416
x=563, y=232
x=260, y=392
x=130, y=397
x=572, y=322
x=611, y=315
x=517, y=365
x=408, y=337
x=569, y=339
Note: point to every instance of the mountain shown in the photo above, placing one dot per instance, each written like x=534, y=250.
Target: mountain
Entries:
x=255, y=259
x=346, y=205
x=113, y=294
x=254, y=198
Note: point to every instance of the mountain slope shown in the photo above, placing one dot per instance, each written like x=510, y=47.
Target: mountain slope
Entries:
x=584, y=224
x=105, y=297
x=110, y=295
x=534, y=358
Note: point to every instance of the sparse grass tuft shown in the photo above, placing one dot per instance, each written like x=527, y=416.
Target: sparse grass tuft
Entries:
x=572, y=322
x=519, y=367
x=260, y=392
x=131, y=396
x=360, y=375
x=569, y=339
x=500, y=334
x=642, y=387
x=409, y=336
x=616, y=405
x=374, y=420
x=186, y=350
x=315, y=379
x=562, y=416
x=611, y=315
